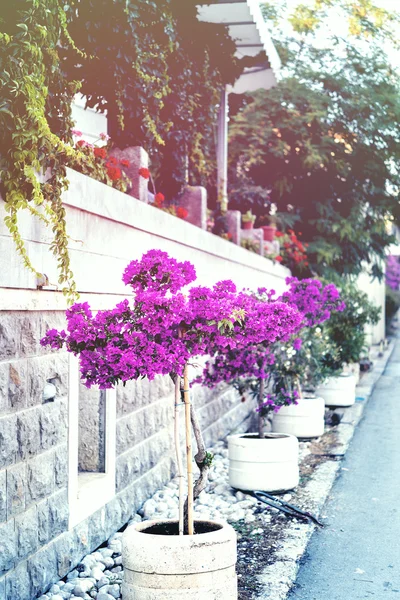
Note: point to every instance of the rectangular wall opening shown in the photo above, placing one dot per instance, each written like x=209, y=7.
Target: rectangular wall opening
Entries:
x=91, y=446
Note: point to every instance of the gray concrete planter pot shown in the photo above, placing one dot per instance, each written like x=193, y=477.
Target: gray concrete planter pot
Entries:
x=339, y=391
x=172, y=567
x=270, y=464
x=304, y=420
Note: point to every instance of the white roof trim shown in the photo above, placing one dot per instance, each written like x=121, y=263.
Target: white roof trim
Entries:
x=249, y=31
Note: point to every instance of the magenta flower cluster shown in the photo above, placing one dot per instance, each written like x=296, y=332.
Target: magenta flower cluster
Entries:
x=275, y=402
x=162, y=327
x=313, y=299
x=393, y=272
x=313, y=303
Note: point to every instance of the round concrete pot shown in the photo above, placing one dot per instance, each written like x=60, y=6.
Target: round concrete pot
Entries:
x=304, y=420
x=159, y=565
x=353, y=369
x=339, y=391
x=270, y=464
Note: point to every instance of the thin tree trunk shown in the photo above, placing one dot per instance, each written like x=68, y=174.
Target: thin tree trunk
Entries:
x=261, y=432
x=186, y=399
x=178, y=404
x=200, y=456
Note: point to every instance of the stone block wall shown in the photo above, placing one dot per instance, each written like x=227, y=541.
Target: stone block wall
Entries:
x=33, y=454
x=37, y=547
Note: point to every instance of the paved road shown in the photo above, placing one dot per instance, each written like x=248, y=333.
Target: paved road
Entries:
x=358, y=554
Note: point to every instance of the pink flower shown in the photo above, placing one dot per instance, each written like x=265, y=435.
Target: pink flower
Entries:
x=76, y=132
x=104, y=136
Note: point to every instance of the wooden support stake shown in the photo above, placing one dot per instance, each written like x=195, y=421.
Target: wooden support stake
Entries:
x=178, y=404
x=186, y=398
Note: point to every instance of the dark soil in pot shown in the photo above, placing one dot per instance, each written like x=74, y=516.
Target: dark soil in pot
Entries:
x=267, y=436
x=168, y=528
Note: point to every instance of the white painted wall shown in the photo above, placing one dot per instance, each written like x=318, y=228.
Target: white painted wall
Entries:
x=87, y=120
x=109, y=228
x=376, y=294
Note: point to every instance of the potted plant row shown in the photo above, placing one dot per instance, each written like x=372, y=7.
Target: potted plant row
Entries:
x=347, y=332
x=272, y=373
x=161, y=332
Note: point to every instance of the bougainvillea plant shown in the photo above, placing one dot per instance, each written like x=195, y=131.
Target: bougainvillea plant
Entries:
x=161, y=330
x=393, y=272
x=272, y=372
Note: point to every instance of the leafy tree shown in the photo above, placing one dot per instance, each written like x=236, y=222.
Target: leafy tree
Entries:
x=326, y=142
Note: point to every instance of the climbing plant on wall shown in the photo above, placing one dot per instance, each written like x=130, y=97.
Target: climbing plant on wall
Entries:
x=33, y=156
x=150, y=63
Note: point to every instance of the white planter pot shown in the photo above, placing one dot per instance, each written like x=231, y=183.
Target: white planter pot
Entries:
x=353, y=369
x=270, y=464
x=304, y=420
x=173, y=567
x=339, y=391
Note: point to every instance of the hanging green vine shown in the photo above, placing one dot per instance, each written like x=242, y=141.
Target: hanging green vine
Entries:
x=33, y=157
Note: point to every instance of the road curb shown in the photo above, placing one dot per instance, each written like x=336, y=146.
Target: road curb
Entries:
x=278, y=578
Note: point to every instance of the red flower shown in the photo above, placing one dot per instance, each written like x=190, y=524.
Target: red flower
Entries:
x=125, y=163
x=112, y=161
x=145, y=173
x=181, y=212
x=279, y=233
x=114, y=173
x=278, y=258
x=100, y=152
x=159, y=198
x=81, y=143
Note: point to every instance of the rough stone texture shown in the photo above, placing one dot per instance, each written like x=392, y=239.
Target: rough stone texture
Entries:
x=91, y=430
x=52, y=367
x=256, y=236
x=4, y=372
x=28, y=434
x=97, y=528
x=42, y=569
x=8, y=546
x=17, y=583
x=17, y=385
x=8, y=343
x=140, y=393
x=26, y=527
x=16, y=489
x=8, y=440
x=53, y=423
x=233, y=218
x=194, y=199
x=142, y=458
x=137, y=158
x=61, y=466
x=58, y=513
x=142, y=424
x=40, y=477
x=2, y=587
x=43, y=522
x=3, y=496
